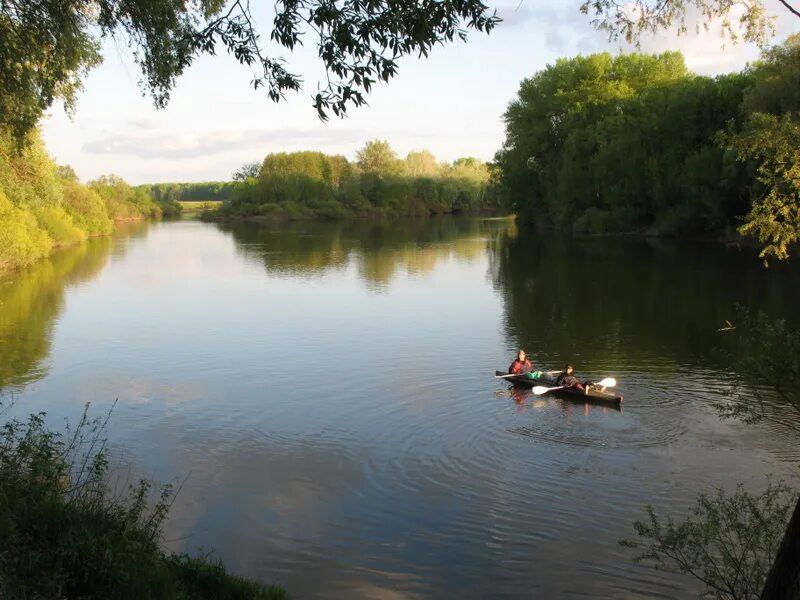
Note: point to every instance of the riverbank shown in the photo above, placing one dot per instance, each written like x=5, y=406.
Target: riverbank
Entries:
x=66, y=535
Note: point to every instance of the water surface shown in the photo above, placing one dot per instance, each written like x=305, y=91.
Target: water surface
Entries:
x=327, y=393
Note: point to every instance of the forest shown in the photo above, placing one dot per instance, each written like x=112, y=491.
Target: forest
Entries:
x=636, y=143
x=192, y=192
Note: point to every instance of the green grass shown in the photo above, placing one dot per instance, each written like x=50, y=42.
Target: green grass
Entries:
x=195, y=207
x=64, y=535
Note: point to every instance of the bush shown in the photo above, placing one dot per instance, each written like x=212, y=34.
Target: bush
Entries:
x=65, y=536
x=21, y=239
x=728, y=542
x=59, y=225
x=87, y=209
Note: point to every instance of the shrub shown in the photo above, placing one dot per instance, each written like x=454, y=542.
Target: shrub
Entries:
x=65, y=536
x=87, y=209
x=21, y=239
x=59, y=225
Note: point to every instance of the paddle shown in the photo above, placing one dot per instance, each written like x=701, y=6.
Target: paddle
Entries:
x=605, y=383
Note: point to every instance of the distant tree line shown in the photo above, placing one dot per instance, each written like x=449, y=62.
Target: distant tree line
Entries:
x=636, y=143
x=192, y=192
x=306, y=185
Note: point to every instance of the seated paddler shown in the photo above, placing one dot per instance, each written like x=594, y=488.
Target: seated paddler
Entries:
x=521, y=364
x=567, y=379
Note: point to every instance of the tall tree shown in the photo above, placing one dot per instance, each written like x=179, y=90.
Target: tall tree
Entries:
x=249, y=169
x=378, y=157
x=47, y=46
x=421, y=164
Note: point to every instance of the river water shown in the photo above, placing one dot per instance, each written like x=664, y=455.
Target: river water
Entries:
x=326, y=394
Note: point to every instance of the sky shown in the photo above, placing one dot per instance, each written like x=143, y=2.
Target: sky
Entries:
x=451, y=104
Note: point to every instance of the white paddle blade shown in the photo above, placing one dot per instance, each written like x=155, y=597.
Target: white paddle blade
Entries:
x=540, y=389
x=607, y=382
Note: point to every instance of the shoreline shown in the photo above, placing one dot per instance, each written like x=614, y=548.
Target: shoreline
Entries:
x=58, y=247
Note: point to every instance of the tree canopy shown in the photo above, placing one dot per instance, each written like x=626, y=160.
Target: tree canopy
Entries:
x=746, y=20
x=47, y=46
x=635, y=142
x=314, y=185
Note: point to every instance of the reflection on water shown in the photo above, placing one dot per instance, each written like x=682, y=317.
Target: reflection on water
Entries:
x=32, y=299
x=377, y=249
x=329, y=391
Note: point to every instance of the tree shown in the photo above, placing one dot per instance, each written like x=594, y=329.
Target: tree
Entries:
x=469, y=168
x=47, y=46
x=773, y=143
x=769, y=141
x=249, y=169
x=421, y=164
x=378, y=158
x=727, y=543
x=746, y=20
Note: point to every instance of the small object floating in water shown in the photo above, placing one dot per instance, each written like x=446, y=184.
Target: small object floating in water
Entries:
x=728, y=326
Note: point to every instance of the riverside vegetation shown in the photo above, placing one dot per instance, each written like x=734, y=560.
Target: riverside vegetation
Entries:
x=67, y=535
x=44, y=207
x=637, y=143
x=314, y=185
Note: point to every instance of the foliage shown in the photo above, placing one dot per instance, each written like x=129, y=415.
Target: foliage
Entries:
x=66, y=535
x=740, y=545
x=421, y=164
x=249, y=169
x=57, y=223
x=21, y=239
x=377, y=157
x=170, y=192
x=43, y=206
x=728, y=543
x=635, y=143
x=45, y=50
x=628, y=137
x=773, y=143
x=766, y=358
x=47, y=46
x=769, y=142
x=738, y=19
x=87, y=208
x=123, y=201
x=304, y=185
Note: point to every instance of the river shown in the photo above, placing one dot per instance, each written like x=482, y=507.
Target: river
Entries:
x=325, y=393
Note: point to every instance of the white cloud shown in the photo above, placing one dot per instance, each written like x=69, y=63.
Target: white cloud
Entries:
x=179, y=145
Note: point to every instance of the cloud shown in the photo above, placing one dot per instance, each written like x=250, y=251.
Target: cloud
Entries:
x=563, y=27
x=174, y=145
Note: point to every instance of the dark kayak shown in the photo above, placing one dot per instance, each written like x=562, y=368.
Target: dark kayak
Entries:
x=548, y=379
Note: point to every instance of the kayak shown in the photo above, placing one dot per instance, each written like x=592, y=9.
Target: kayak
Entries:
x=591, y=393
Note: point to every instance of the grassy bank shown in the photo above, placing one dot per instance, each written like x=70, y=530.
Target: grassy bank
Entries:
x=193, y=208
x=66, y=535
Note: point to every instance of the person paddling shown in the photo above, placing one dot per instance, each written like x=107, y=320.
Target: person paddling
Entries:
x=520, y=365
x=568, y=379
